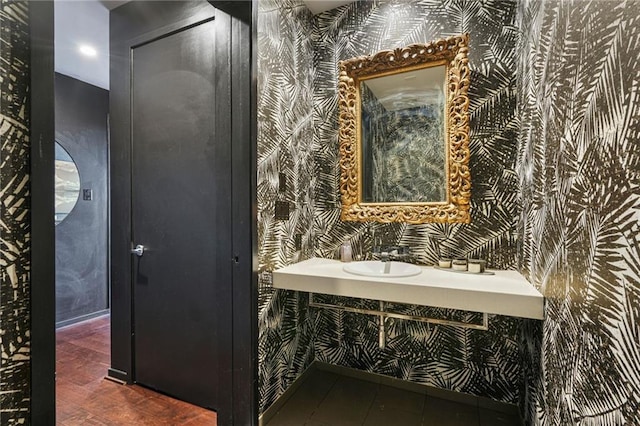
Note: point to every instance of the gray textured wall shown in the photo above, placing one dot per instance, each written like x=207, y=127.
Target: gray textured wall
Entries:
x=15, y=240
x=81, y=238
x=579, y=168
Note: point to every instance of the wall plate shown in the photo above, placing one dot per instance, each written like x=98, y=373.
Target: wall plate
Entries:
x=282, y=210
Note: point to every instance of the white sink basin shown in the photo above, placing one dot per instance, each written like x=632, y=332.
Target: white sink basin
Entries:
x=375, y=268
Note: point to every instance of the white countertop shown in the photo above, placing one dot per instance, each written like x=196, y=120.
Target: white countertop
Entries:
x=505, y=293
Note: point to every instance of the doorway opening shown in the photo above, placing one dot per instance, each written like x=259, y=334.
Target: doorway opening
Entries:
x=86, y=330
x=241, y=402
x=81, y=205
x=83, y=323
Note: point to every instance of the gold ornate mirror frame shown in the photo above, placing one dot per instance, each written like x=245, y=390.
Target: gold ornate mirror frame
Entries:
x=452, y=52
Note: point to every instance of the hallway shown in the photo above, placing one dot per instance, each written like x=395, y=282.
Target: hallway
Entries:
x=85, y=397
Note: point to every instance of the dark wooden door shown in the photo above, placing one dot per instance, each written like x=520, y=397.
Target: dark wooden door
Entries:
x=183, y=315
x=181, y=213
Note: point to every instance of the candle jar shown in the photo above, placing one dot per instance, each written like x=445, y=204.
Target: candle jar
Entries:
x=444, y=263
x=459, y=264
x=476, y=265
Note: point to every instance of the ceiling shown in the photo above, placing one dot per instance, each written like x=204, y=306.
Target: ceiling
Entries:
x=112, y=4
x=409, y=89
x=82, y=22
x=79, y=22
x=319, y=6
x=315, y=6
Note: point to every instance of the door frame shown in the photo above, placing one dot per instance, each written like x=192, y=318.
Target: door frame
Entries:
x=243, y=404
x=42, y=282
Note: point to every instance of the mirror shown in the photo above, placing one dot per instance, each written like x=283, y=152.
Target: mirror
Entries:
x=402, y=128
x=404, y=134
x=67, y=184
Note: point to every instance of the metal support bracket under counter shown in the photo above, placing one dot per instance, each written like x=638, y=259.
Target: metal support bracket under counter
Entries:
x=383, y=314
x=505, y=293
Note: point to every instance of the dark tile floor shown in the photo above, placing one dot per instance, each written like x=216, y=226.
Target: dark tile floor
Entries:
x=329, y=399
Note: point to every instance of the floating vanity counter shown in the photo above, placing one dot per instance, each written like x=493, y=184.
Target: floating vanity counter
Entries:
x=504, y=293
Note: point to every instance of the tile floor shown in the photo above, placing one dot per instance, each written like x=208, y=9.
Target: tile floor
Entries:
x=329, y=399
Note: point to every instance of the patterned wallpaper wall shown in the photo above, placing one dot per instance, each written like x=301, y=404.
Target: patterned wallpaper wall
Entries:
x=579, y=168
x=476, y=362
x=14, y=214
x=297, y=111
x=369, y=26
x=285, y=135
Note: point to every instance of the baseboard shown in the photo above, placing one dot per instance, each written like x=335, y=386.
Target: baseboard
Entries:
x=273, y=409
x=118, y=375
x=449, y=395
x=115, y=380
x=72, y=321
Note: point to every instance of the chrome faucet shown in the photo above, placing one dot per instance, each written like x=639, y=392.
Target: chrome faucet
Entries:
x=387, y=254
x=392, y=252
x=385, y=258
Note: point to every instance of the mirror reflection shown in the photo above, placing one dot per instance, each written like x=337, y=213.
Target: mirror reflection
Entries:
x=67, y=184
x=403, y=136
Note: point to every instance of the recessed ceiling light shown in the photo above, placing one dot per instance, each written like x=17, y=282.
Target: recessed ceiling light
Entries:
x=87, y=50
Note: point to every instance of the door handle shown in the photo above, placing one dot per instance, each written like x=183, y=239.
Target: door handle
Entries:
x=138, y=251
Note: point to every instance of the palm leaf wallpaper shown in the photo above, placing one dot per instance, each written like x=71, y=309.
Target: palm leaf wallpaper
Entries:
x=554, y=139
x=476, y=362
x=555, y=109
x=297, y=107
x=579, y=167
x=285, y=135
x=14, y=214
